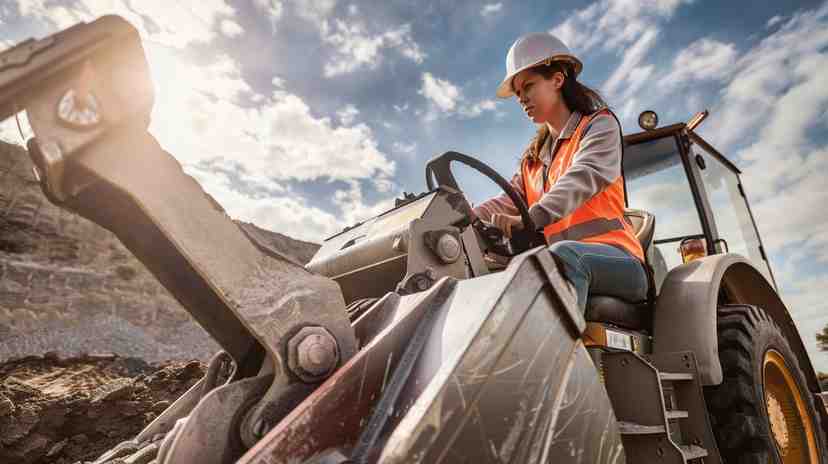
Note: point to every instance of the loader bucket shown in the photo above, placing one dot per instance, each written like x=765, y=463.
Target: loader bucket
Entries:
x=498, y=373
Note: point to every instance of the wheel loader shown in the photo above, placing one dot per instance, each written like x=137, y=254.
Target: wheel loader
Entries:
x=423, y=334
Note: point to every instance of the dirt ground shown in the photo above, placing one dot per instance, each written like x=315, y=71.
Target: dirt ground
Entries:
x=64, y=411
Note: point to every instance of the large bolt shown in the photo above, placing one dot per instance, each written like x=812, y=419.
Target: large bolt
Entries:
x=313, y=353
x=317, y=354
x=448, y=248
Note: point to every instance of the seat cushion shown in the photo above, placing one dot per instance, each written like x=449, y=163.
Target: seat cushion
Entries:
x=610, y=310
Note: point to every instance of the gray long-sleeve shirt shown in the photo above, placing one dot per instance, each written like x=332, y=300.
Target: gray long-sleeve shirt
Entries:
x=596, y=164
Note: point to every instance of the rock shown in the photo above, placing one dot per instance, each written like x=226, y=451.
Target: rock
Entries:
x=117, y=390
x=79, y=439
x=57, y=448
x=193, y=369
x=6, y=406
x=129, y=408
x=34, y=447
x=19, y=426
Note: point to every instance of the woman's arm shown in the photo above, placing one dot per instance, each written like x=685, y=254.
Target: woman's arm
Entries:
x=502, y=203
x=595, y=165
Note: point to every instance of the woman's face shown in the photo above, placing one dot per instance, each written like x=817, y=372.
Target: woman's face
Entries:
x=540, y=98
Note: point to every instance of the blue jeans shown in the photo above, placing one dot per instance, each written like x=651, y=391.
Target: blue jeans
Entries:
x=598, y=269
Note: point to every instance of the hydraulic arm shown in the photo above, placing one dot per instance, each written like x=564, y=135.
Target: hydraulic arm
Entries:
x=88, y=95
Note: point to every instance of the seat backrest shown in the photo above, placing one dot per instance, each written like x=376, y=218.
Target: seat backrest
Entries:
x=644, y=227
x=643, y=224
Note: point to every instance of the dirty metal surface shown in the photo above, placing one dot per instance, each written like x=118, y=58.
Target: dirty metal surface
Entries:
x=333, y=415
x=696, y=428
x=178, y=409
x=515, y=385
x=376, y=318
x=634, y=386
x=503, y=377
x=210, y=435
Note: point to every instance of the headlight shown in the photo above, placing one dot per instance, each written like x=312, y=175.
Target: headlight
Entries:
x=648, y=120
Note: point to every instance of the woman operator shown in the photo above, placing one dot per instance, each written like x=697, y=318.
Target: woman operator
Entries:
x=570, y=174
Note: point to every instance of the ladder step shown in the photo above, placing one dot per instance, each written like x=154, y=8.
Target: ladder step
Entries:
x=630, y=428
x=675, y=376
x=676, y=414
x=693, y=452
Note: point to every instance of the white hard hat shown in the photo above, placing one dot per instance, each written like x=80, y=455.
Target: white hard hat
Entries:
x=533, y=49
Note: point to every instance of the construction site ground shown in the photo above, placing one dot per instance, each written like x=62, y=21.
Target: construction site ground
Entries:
x=70, y=410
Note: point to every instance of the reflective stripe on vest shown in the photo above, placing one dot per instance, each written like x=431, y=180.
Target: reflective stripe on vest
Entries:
x=586, y=229
x=598, y=220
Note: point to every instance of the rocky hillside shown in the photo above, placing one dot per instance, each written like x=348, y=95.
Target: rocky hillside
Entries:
x=69, y=286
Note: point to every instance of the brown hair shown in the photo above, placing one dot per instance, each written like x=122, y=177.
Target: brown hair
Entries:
x=577, y=97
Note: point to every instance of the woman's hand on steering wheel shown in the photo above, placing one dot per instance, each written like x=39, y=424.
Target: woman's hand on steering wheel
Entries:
x=507, y=223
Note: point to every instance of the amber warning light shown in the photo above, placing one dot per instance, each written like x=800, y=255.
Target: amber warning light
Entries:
x=692, y=248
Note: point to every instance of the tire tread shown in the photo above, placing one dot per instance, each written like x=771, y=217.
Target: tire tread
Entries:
x=736, y=406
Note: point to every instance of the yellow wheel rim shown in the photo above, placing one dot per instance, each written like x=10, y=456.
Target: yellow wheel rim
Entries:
x=790, y=423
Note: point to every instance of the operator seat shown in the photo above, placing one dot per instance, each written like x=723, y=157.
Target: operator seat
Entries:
x=633, y=315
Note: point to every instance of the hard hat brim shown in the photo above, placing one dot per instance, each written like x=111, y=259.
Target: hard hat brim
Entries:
x=504, y=90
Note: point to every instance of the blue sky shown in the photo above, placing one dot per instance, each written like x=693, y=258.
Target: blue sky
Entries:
x=305, y=116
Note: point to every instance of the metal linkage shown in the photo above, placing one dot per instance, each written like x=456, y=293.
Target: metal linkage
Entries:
x=88, y=94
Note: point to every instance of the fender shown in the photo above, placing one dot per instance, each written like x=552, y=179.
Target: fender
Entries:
x=685, y=311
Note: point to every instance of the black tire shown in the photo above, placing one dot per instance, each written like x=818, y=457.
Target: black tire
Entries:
x=738, y=410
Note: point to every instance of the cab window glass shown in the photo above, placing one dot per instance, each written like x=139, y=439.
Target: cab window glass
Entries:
x=657, y=183
x=734, y=224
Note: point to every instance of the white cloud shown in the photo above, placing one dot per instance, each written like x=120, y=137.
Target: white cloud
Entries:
x=633, y=57
x=576, y=31
x=445, y=98
x=347, y=114
x=490, y=9
x=284, y=213
x=775, y=97
x=763, y=75
x=440, y=92
x=178, y=23
x=704, y=59
x=475, y=110
x=273, y=9
x=626, y=28
x=280, y=139
x=613, y=23
x=230, y=28
x=774, y=21
x=356, y=48
x=402, y=148
x=353, y=205
x=353, y=9
x=314, y=11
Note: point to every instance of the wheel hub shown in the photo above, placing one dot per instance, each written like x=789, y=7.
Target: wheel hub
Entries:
x=779, y=426
x=790, y=424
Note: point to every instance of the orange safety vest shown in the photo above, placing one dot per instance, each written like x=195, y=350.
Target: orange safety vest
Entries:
x=600, y=219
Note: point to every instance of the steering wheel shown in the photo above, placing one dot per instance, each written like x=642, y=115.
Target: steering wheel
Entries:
x=439, y=168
